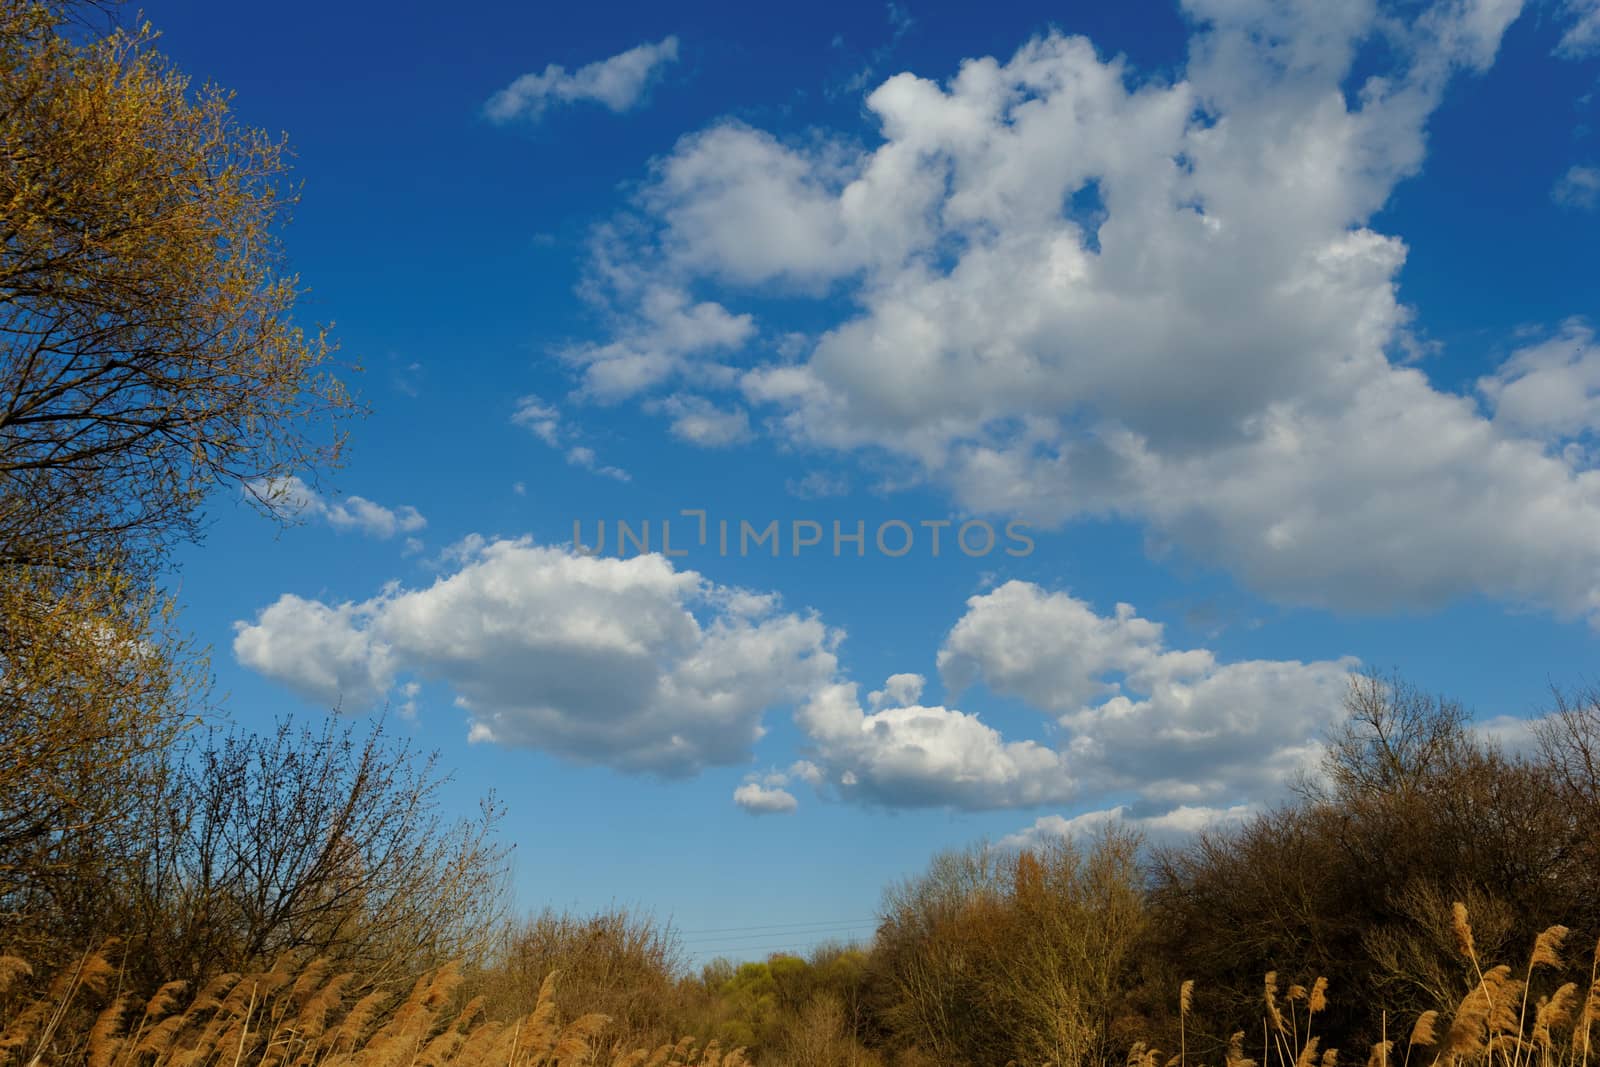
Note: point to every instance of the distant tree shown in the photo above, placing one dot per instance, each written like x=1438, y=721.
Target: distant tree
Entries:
x=622, y=964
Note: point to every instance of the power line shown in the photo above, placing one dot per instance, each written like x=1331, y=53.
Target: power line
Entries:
x=768, y=935
x=845, y=932
x=817, y=937
x=781, y=926
x=760, y=951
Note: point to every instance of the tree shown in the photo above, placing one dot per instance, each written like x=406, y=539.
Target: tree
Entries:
x=1393, y=740
x=992, y=957
x=621, y=964
x=1413, y=811
x=316, y=842
x=148, y=349
x=94, y=686
x=148, y=354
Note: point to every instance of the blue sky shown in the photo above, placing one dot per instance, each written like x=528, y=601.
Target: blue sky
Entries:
x=1271, y=323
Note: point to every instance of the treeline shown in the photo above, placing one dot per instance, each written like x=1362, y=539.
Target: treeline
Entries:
x=247, y=853
x=1076, y=951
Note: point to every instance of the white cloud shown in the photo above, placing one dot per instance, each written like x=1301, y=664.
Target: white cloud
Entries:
x=1184, y=735
x=1175, y=727
x=618, y=82
x=545, y=422
x=640, y=666
x=1579, y=187
x=700, y=422
x=1582, y=37
x=1551, y=389
x=899, y=690
x=670, y=337
x=321, y=652
x=408, y=694
x=767, y=793
x=927, y=756
x=1511, y=734
x=584, y=456
x=1049, y=648
x=758, y=799
x=807, y=772
x=1217, y=242
x=626, y=662
x=1180, y=822
x=294, y=499
x=540, y=419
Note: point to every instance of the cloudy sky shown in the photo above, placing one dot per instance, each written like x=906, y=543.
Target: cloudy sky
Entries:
x=1022, y=415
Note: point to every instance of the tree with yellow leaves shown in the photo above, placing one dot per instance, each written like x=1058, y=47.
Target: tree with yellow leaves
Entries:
x=147, y=344
x=148, y=355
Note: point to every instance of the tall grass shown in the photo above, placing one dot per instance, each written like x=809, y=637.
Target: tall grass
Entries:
x=304, y=1013
x=1505, y=1019
x=298, y=1014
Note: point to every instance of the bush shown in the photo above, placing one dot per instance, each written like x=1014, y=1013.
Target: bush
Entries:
x=622, y=965
x=991, y=957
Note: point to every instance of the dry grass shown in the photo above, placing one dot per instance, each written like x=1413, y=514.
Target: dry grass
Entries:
x=301, y=1013
x=298, y=1014
x=1496, y=1023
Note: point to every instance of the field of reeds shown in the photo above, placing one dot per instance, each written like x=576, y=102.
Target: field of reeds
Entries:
x=299, y=1015
x=305, y=1013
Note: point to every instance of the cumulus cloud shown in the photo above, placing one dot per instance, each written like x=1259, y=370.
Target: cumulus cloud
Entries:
x=1182, y=734
x=321, y=652
x=767, y=793
x=1551, y=389
x=807, y=772
x=899, y=690
x=619, y=83
x=625, y=662
x=1511, y=734
x=917, y=756
x=638, y=665
x=758, y=799
x=1175, y=727
x=1579, y=187
x=293, y=498
x=1046, y=259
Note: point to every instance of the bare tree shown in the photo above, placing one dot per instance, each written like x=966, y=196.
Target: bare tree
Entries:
x=314, y=841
